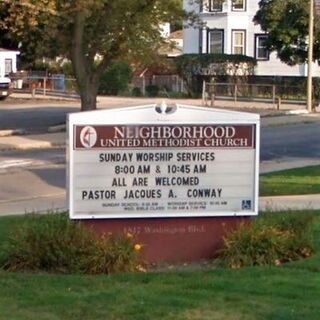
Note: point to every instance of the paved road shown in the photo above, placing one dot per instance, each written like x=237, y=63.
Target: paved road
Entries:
x=36, y=115
x=32, y=181
x=34, y=118
x=36, y=179
x=286, y=141
x=294, y=141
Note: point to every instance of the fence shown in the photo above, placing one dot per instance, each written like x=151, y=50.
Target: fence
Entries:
x=45, y=85
x=256, y=92
x=167, y=83
x=60, y=85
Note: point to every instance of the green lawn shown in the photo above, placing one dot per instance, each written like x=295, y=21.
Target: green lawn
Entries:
x=288, y=292
x=291, y=182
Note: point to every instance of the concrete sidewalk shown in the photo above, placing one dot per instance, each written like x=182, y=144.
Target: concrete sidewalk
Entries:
x=298, y=202
x=117, y=101
x=57, y=202
x=35, y=141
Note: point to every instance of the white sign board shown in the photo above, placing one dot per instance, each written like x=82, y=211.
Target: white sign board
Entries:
x=138, y=163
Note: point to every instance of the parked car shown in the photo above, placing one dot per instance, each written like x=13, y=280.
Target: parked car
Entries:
x=5, y=87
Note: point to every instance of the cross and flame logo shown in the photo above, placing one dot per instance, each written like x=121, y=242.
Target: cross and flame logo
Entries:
x=88, y=136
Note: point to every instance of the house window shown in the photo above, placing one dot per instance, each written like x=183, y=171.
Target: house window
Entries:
x=261, y=52
x=215, y=41
x=238, y=5
x=215, y=5
x=238, y=41
x=7, y=66
x=211, y=6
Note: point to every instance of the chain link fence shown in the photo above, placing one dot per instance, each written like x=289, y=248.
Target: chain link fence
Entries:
x=270, y=93
x=60, y=85
x=57, y=84
x=165, y=83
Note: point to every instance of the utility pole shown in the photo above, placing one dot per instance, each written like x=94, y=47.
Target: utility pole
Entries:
x=310, y=57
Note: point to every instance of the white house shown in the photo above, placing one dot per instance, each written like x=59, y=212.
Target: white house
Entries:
x=229, y=29
x=8, y=64
x=8, y=61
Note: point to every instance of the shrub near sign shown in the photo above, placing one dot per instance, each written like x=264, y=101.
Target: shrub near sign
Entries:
x=138, y=163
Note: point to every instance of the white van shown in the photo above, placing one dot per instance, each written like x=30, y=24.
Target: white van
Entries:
x=4, y=87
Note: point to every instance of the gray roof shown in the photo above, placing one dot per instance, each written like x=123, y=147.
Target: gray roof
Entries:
x=8, y=50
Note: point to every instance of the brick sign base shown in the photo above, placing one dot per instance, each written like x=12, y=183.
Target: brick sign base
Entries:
x=174, y=239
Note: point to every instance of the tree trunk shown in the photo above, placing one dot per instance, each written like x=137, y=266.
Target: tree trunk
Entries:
x=88, y=94
x=83, y=66
x=88, y=101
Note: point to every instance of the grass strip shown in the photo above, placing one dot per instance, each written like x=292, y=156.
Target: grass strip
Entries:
x=291, y=182
x=286, y=292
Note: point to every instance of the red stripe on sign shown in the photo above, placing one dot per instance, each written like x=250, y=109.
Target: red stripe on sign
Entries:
x=164, y=136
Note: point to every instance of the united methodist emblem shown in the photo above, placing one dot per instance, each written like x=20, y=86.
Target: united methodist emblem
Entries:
x=88, y=136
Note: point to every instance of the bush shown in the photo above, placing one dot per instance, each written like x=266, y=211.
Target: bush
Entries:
x=177, y=95
x=271, y=240
x=136, y=92
x=194, y=68
x=114, y=254
x=115, y=79
x=152, y=90
x=67, y=69
x=54, y=243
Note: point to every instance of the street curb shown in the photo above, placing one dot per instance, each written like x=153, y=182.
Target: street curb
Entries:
x=38, y=96
x=12, y=132
x=48, y=145
x=58, y=128
x=297, y=112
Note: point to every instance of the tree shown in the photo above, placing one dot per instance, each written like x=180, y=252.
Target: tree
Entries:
x=91, y=33
x=5, y=40
x=194, y=68
x=286, y=22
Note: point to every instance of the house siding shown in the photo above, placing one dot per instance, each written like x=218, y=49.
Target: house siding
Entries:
x=195, y=40
x=7, y=54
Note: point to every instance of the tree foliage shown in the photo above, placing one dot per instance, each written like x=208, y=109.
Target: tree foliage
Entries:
x=193, y=68
x=115, y=79
x=286, y=23
x=91, y=33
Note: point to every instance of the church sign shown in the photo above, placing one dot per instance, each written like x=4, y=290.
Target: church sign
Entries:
x=148, y=162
